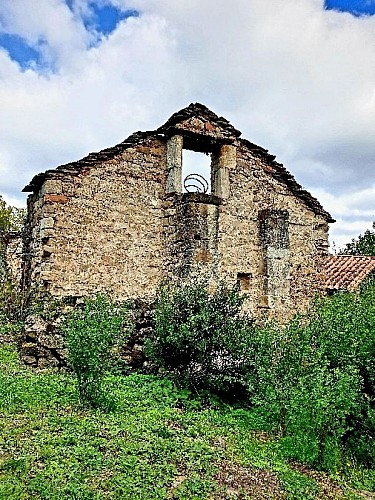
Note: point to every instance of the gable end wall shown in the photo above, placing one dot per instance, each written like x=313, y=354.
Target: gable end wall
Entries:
x=120, y=226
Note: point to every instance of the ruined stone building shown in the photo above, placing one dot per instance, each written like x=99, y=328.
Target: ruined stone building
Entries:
x=119, y=220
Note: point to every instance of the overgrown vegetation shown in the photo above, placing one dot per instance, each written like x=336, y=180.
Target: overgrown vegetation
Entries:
x=11, y=301
x=202, y=339
x=299, y=393
x=312, y=381
x=158, y=442
x=11, y=218
x=316, y=381
x=94, y=334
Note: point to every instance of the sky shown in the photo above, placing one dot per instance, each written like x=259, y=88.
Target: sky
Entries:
x=297, y=77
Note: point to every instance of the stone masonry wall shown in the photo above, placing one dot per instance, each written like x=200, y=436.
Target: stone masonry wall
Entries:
x=225, y=237
x=102, y=230
x=122, y=225
x=241, y=250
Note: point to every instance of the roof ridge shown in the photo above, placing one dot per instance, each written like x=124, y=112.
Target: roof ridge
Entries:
x=197, y=109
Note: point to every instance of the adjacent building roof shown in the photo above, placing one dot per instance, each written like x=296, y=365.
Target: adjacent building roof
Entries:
x=347, y=272
x=214, y=126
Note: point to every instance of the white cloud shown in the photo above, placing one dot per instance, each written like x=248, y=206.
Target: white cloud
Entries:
x=293, y=77
x=63, y=35
x=354, y=213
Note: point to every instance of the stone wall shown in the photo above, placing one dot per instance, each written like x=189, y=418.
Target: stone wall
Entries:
x=257, y=233
x=11, y=249
x=282, y=277
x=119, y=222
x=102, y=230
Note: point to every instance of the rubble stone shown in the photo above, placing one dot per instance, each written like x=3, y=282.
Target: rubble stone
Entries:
x=118, y=222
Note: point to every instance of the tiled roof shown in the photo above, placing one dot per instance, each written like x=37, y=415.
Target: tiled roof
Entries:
x=347, y=272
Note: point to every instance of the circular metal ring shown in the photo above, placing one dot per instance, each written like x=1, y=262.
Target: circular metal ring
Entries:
x=195, y=183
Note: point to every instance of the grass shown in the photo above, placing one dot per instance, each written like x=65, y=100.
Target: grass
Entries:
x=153, y=441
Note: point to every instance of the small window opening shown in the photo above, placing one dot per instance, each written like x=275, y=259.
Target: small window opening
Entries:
x=243, y=282
x=196, y=172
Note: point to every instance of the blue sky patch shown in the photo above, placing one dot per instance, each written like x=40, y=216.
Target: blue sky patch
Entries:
x=103, y=17
x=354, y=7
x=20, y=51
x=106, y=18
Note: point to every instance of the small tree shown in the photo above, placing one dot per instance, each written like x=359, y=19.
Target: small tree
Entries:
x=93, y=336
x=363, y=245
x=11, y=218
x=202, y=338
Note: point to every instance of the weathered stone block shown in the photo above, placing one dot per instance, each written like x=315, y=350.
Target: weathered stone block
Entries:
x=51, y=341
x=55, y=198
x=47, y=223
x=52, y=186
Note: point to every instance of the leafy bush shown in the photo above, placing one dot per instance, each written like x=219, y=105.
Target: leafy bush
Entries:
x=201, y=338
x=93, y=334
x=312, y=381
x=315, y=380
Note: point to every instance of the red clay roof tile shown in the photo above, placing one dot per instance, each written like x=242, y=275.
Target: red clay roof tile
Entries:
x=347, y=272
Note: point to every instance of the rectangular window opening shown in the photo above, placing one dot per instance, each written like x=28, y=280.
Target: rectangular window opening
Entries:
x=243, y=282
x=196, y=172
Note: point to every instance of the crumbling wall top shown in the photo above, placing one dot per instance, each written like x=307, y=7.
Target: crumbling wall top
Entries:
x=202, y=130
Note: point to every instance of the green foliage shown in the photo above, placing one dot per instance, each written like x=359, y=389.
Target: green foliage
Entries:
x=316, y=381
x=312, y=381
x=11, y=218
x=201, y=338
x=363, y=245
x=93, y=334
x=11, y=308
x=153, y=446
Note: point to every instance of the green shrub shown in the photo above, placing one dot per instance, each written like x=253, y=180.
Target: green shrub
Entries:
x=311, y=381
x=12, y=308
x=94, y=335
x=201, y=338
x=315, y=380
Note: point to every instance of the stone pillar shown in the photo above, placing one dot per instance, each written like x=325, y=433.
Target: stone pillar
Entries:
x=174, y=164
x=221, y=164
